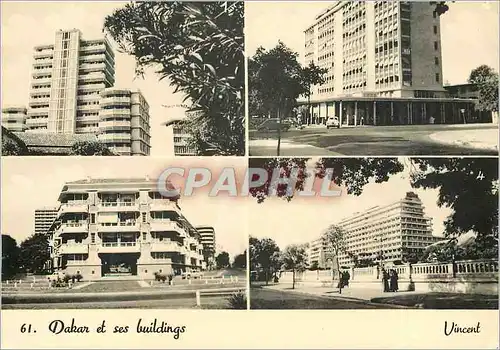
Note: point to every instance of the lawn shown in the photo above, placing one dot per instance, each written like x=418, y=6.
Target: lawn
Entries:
x=442, y=301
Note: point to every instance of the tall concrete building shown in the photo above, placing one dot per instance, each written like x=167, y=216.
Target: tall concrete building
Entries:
x=72, y=93
x=384, y=65
x=14, y=118
x=381, y=233
x=176, y=125
x=207, y=239
x=44, y=218
x=107, y=227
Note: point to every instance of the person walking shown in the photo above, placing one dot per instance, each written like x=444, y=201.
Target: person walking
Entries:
x=385, y=280
x=395, y=286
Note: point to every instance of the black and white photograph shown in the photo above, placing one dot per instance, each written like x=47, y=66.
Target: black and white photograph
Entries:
x=123, y=78
x=402, y=233
x=88, y=236
x=372, y=78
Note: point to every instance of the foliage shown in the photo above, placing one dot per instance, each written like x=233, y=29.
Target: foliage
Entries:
x=314, y=266
x=222, y=260
x=34, y=253
x=12, y=145
x=238, y=301
x=468, y=186
x=411, y=257
x=486, y=79
x=90, y=148
x=163, y=277
x=312, y=75
x=335, y=239
x=440, y=7
x=199, y=48
x=294, y=258
x=240, y=260
x=10, y=257
x=265, y=254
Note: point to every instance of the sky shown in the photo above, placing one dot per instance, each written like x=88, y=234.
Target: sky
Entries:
x=29, y=183
x=27, y=24
x=469, y=32
x=304, y=219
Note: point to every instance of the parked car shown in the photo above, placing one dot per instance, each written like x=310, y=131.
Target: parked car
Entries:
x=193, y=274
x=332, y=122
x=272, y=124
x=55, y=276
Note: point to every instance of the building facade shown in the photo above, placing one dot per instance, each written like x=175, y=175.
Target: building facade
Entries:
x=107, y=227
x=207, y=238
x=381, y=234
x=124, y=122
x=44, y=218
x=14, y=118
x=384, y=65
x=72, y=92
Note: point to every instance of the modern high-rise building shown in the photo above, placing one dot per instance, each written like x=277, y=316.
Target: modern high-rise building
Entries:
x=381, y=234
x=72, y=93
x=14, y=118
x=180, y=134
x=207, y=239
x=124, y=122
x=67, y=79
x=107, y=227
x=44, y=218
x=384, y=65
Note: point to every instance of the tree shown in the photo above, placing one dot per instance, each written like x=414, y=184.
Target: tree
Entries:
x=440, y=7
x=12, y=145
x=90, y=148
x=264, y=254
x=314, y=266
x=486, y=79
x=240, y=260
x=411, y=256
x=199, y=48
x=312, y=75
x=335, y=240
x=10, y=257
x=469, y=186
x=222, y=260
x=34, y=253
x=294, y=258
x=275, y=81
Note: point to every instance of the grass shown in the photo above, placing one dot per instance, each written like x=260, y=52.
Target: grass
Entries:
x=442, y=301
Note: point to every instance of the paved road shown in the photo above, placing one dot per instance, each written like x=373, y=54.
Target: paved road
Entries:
x=273, y=299
x=369, y=140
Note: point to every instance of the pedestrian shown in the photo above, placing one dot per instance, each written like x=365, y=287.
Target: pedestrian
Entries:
x=395, y=286
x=391, y=280
x=347, y=278
x=362, y=120
x=385, y=280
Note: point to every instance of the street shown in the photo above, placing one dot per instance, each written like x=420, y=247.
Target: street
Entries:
x=275, y=299
x=482, y=139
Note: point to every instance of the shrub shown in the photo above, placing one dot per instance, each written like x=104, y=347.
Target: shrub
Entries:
x=66, y=278
x=238, y=301
x=78, y=277
x=159, y=277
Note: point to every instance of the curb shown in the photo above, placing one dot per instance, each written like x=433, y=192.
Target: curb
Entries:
x=356, y=300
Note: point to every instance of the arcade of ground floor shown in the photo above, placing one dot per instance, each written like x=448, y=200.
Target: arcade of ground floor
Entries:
x=396, y=112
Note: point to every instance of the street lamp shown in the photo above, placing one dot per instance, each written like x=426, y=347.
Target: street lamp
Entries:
x=462, y=110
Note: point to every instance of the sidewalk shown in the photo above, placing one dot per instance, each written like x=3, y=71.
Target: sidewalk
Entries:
x=287, y=148
x=486, y=139
x=360, y=295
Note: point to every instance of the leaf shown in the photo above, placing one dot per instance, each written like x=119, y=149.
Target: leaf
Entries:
x=197, y=56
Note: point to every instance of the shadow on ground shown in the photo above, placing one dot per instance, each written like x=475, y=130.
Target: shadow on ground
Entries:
x=442, y=301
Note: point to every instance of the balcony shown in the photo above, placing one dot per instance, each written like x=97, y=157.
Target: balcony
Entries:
x=74, y=248
x=120, y=227
x=167, y=225
x=166, y=246
x=73, y=207
x=93, y=48
x=118, y=206
x=73, y=228
x=122, y=113
x=125, y=137
x=120, y=247
x=162, y=205
x=115, y=125
x=114, y=100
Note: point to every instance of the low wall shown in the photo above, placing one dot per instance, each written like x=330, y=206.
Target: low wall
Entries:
x=472, y=276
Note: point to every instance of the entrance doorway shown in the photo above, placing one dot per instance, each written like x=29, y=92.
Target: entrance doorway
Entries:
x=119, y=264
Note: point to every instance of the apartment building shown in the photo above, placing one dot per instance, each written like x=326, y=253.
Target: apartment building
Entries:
x=381, y=233
x=14, y=118
x=124, y=122
x=384, y=65
x=72, y=93
x=109, y=227
x=44, y=218
x=207, y=239
x=180, y=133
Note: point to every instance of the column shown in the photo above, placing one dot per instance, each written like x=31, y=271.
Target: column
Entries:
x=374, y=113
x=355, y=113
x=392, y=113
x=424, y=112
x=443, y=113
x=340, y=117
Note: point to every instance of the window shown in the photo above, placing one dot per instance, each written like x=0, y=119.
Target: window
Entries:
x=437, y=78
x=435, y=29
x=92, y=237
x=92, y=218
x=435, y=45
x=436, y=61
x=143, y=217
